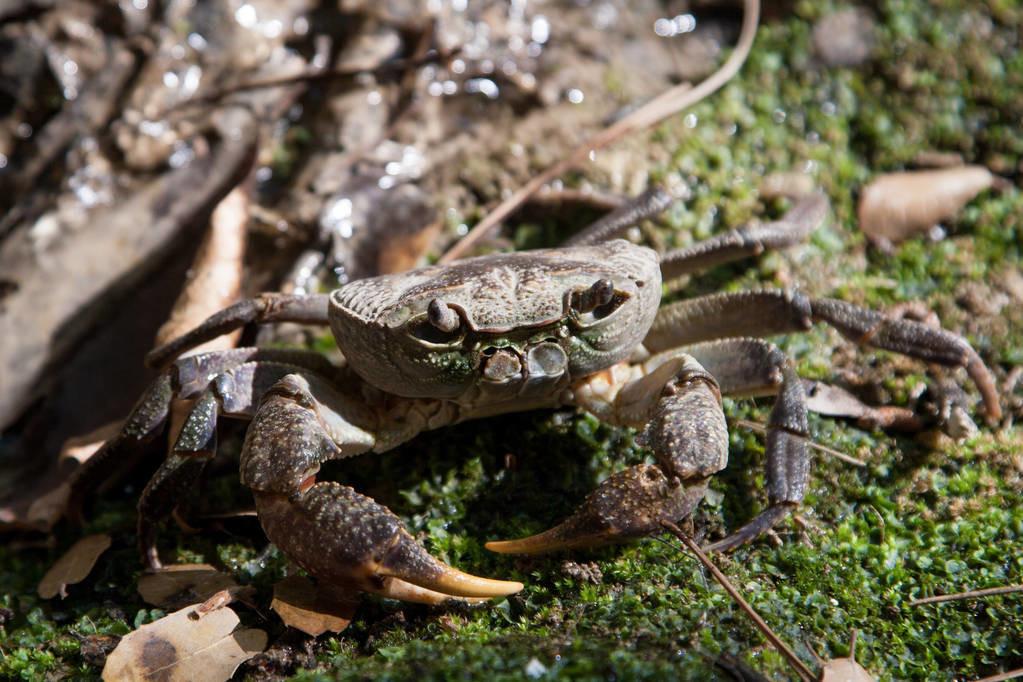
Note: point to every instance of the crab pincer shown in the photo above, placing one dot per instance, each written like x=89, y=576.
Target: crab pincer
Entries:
x=338, y=535
x=681, y=405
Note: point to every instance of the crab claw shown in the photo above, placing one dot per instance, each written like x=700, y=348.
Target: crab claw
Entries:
x=629, y=504
x=344, y=538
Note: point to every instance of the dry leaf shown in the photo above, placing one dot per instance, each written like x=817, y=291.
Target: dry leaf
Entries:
x=844, y=670
x=40, y=505
x=837, y=402
x=301, y=606
x=183, y=647
x=897, y=206
x=214, y=282
x=790, y=184
x=215, y=278
x=181, y=584
x=74, y=566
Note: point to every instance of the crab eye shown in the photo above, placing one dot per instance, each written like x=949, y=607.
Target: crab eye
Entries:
x=440, y=326
x=597, y=302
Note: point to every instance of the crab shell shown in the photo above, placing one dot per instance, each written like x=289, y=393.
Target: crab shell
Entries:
x=520, y=328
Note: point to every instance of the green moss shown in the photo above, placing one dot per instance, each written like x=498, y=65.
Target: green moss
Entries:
x=916, y=521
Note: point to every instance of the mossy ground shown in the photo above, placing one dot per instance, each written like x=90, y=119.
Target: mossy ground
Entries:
x=920, y=519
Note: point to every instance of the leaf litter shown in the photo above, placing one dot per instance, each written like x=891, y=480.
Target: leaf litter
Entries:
x=74, y=566
x=196, y=644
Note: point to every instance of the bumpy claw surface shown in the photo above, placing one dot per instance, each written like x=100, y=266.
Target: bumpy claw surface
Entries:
x=345, y=538
x=629, y=504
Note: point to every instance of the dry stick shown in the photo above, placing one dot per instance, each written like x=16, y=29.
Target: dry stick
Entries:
x=761, y=624
x=1011, y=675
x=816, y=446
x=666, y=104
x=395, y=65
x=972, y=594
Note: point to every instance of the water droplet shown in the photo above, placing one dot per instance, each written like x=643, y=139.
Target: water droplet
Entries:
x=190, y=83
x=540, y=30
x=181, y=156
x=575, y=96
x=246, y=16
x=664, y=27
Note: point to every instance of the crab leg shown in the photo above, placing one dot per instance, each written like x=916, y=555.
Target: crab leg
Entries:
x=680, y=404
x=186, y=378
x=264, y=308
x=769, y=312
x=338, y=535
x=233, y=393
x=647, y=205
x=747, y=367
x=795, y=227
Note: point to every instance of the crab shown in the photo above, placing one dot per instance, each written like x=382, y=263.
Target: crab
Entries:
x=574, y=326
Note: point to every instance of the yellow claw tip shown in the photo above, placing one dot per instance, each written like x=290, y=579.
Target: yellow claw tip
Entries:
x=458, y=584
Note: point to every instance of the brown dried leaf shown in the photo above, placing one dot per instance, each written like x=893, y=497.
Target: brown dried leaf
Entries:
x=844, y=670
x=897, y=206
x=791, y=184
x=183, y=647
x=181, y=584
x=837, y=402
x=301, y=606
x=74, y=566
x=215, y=278
x=40, y=505
x=833, y=401
x=214, y=282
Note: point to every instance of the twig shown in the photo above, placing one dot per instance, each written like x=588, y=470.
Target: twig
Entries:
x=666, y=104
x=972, y=594
x=1011, y=675
x=395, y=65
x=816, y=446
x=761, y=624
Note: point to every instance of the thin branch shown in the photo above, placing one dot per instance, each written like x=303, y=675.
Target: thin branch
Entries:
x=972, y=594
x=1011, y=675
x=816, y=446
x=394, y=65
x=656, y=110
x=761, y=624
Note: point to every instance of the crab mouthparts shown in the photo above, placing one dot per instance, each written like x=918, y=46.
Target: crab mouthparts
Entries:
x=502, y=366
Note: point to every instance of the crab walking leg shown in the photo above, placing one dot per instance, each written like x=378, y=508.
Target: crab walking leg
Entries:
x=264, y=308
x=795, y=227
x=751, y=367
x=647, y=205
x=234, y=392
x=186, y=378
x=680, y=405
x=338, y=535
x=769, y=312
